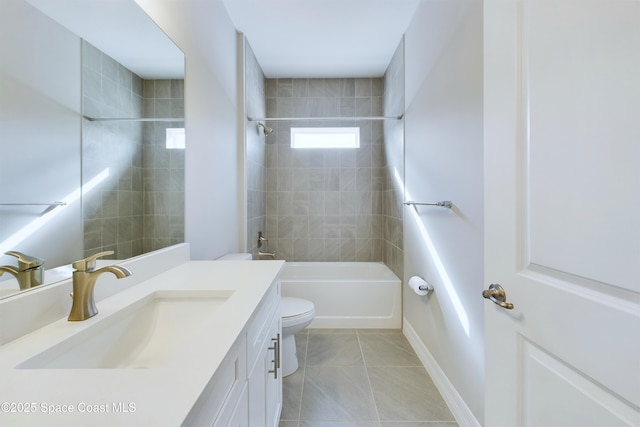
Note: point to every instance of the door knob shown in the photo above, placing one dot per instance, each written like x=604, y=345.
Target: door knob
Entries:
x=497, y=294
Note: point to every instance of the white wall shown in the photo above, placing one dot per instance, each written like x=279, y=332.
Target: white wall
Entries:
x=40, y=124
x=443, y=161
x=204, y=32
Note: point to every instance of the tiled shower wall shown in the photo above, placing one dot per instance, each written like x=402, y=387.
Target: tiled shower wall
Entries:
x=255, y=166
x=134, y=188
x=112, y=157
x=325, y=204
x=163, y=169
x=394, y=156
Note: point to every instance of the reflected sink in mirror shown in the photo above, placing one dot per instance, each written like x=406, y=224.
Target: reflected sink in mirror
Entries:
x=150, y=333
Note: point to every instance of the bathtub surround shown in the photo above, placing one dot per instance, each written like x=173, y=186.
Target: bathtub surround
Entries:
x=255, y=163
x=393, y=194
x=137, y=205
x=325, y=205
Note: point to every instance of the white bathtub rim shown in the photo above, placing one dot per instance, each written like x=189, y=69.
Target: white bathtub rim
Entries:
x=387, y=275
x=383, y=312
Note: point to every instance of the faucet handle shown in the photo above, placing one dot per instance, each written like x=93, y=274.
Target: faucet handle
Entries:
x=261, y=239
x=25, y=261
x=89, y=263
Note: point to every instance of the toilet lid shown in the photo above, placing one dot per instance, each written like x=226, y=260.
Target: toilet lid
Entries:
x=291, y=307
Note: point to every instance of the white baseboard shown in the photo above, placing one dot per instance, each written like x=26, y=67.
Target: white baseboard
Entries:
x=456, y=404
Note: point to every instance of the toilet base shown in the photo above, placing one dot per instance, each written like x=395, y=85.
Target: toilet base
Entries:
x=289, y=355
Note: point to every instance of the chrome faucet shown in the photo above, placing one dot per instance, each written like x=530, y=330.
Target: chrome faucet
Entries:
x=84, y=280
x=30, y=271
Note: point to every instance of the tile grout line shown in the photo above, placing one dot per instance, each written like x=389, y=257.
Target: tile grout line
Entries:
x=304, y=373
x=364, y=362
x=378, y=421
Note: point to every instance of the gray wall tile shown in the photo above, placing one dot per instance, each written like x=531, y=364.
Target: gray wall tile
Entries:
x=140, y=206
x=332, y=199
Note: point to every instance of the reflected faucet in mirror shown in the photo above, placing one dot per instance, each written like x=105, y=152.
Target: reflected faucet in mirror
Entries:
x=30, y=270
x=84, y=281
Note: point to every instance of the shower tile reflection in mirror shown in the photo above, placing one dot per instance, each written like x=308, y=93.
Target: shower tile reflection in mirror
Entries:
x=360, y=378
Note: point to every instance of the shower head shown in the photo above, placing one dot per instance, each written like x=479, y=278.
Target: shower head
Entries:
x=266, y=129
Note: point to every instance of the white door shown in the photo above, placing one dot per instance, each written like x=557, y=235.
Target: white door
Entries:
x=562, y=215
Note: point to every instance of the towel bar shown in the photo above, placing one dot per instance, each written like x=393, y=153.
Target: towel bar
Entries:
x=444, y=204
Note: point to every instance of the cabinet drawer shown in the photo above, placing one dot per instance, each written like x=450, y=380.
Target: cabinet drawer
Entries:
x=235, y=414
x=225, y=386
x=258, y=327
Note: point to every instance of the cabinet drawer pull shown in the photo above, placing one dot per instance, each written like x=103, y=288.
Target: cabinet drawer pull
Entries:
x=276, y=356
x=278, y=351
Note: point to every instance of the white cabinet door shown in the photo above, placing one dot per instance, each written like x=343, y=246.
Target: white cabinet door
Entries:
x=273, y=385
x=265, y=382
x=562, y=212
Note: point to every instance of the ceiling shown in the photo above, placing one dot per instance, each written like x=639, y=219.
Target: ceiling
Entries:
x=123, y=31
x=322, y=38
x=290, y=38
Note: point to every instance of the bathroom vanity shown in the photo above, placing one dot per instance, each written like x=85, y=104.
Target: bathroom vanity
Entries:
x=195, y=345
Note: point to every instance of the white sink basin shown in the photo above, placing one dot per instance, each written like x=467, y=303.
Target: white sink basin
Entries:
x=146, y=334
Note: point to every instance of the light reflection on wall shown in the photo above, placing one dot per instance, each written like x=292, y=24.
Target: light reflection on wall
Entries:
x=437, y=261
x=26, y=231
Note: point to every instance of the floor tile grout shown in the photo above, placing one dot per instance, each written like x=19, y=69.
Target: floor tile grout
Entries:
x=397, y=350
x=304, y=372
x=364, y=362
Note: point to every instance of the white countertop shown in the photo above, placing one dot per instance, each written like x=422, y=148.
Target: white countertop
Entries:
x=153, y=397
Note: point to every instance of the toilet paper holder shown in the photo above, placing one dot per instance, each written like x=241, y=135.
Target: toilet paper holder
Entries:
x=426, y=287
x=419, y=285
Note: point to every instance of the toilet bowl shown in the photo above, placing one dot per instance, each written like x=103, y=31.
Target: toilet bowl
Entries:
x=296, y=313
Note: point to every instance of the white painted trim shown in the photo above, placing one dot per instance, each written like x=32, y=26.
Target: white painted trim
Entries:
x=456, y=404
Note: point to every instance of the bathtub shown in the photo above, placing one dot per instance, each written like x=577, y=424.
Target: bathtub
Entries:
x=346, y=294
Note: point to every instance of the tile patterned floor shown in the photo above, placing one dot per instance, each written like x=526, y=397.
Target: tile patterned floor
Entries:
x=360, y=378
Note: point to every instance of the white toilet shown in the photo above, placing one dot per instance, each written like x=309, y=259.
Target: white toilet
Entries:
x=296, y=313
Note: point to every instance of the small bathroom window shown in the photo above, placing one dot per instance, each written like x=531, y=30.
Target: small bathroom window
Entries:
x=339, y=137
x=175, y=138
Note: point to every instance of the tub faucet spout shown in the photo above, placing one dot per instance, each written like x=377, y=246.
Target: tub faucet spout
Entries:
x=84, y=281
x=271, y=255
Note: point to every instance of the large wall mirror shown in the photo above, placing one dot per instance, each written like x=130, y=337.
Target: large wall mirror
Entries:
x=92, y=137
